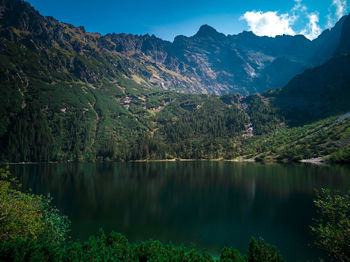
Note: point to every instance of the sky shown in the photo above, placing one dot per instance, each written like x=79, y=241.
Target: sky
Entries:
x=169, y=18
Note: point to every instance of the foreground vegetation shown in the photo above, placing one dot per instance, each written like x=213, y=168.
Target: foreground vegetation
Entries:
x=115, y=247
x=332, y=227
x=28, y=216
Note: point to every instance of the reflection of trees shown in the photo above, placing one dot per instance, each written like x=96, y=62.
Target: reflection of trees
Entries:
x=114, y=185
x=178, y=196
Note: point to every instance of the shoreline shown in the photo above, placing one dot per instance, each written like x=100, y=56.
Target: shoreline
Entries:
x=133, y=161
x=193, y=160
x=314, y=161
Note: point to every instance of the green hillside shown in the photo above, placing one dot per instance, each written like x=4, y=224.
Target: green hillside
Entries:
x=70, y=95
x=328, y=138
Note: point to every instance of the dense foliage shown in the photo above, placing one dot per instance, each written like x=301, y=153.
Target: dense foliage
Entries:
x=71, y=95
x=327, y=138
x=28, y=216
x=115, y=247
x=138, y=125
x=341, y=156
x=260, y=251
x=332, y=228
x=119, y=119
x=262, y=116
x=163, y=125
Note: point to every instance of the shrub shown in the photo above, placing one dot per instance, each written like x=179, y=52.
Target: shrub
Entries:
x=25, y=215
x=341, y=156
x=231, y=255
x=332, y=228
x=259, y=251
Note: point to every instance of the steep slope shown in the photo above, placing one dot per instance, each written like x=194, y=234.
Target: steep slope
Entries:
x=325, y=139
x=344, y=45
x=70, y=95
x=277, y=74
x=321, y=91
x=208, y=62
x=67, y=94
x=317, y=93
x=327, y=43
x=227, y=64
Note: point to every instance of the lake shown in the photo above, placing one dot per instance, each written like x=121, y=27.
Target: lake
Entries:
x=206, y=205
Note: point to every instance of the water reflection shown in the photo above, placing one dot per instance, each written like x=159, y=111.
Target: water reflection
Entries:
x=205, y=204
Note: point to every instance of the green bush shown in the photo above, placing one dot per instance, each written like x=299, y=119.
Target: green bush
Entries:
x=332, y=227
x=115, y=247
x=260, y=251
x=25, y=215
x=21, y=250
x=341, y=156
x=231, y=255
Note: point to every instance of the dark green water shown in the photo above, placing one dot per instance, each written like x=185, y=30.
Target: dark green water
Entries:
x=200, y=204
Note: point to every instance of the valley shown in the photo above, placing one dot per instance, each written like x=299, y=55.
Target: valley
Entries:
x=214, y=141
x=70, y=95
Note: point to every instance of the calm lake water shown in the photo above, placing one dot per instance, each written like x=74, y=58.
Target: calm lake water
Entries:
x=199, y=204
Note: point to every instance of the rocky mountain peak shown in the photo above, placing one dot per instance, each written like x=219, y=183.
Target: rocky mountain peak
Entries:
x=208, y=62
x=208, y=31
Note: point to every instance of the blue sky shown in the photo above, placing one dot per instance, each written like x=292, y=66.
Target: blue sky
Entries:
x=169, y=18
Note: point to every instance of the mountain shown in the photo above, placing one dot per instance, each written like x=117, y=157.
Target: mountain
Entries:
x=321, y=91
x=208, y=62
x=67, y=94
x=317, y=93
x=227, y=64
x=314, y=106
x=327, y=43
x=344, y=43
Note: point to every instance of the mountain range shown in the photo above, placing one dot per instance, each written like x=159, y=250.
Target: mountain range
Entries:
x=208, y=62
x=67, y=94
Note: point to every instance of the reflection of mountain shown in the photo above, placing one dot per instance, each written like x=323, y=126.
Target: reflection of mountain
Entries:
x=156, y=190
x=210, y=203
x=169, y=181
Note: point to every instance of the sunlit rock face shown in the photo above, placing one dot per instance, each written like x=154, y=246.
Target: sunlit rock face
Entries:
x=208, y=62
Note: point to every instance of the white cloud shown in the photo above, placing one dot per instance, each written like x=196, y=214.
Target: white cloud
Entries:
x=298, y=7
x=269, y=23
x=272, y=23
x=340, y=7
x=312, y=30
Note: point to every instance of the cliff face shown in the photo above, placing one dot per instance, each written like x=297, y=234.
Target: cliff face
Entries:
x=208, y=62
x=344, y=43
x=69, y=94
x=323, y=90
